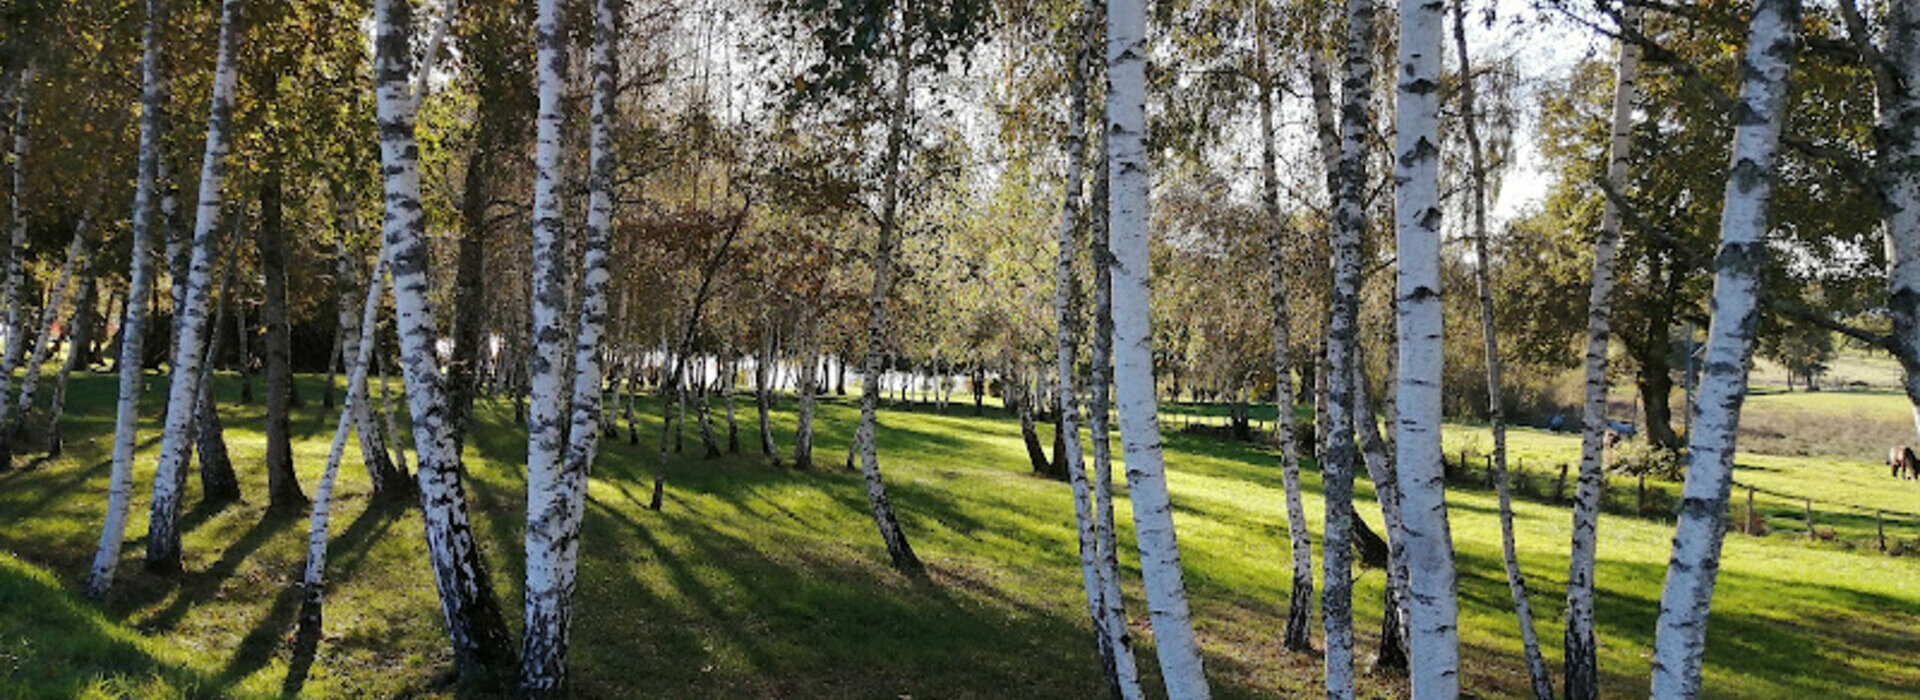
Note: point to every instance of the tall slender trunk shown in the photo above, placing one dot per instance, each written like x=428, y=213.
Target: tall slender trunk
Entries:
x=1066, y=309
x=153, y=99
x=809, y=387
x=1125, y=672
x=1349, y=226
x=163, y=533
x=553, y=529
x=79, y=351
x=78, y=254
x=388, y=481
x=1434, y=610
x=218, y=483
x=1385, y=475
x=899, y=551
x=1295, y=636
x=1496, y=415
x=1580, y=653
x=474, y=624
x=1130, y=214
x=16, y=259
x=283, y=485
x=763, y=396
x=1680, y=636
x=730, y=372
x=1896, y=65
x=314, y=581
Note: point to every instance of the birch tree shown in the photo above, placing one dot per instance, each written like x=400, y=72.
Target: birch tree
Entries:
x=1125, y=671
x=153, y=98
x=1582, y=664
x=176, y=442
x=1129, y=215
x=1349, y=225
x=77, y=255
x=1067, y=341
x=313, y=582
x=1295, y=636
x=1680, y=636
x=16, y=256
x=1433, y=611
x=1496, y=415
x=474, y=624
x=556, y=500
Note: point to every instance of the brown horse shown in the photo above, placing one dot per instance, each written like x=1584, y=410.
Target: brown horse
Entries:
x=1903, y=462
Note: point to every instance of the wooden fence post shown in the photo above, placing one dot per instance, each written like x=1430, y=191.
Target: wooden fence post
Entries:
x=1560, y=489
x=1640, y=497
x=1809, y=502
x=1880, y=526
x=1753, y=525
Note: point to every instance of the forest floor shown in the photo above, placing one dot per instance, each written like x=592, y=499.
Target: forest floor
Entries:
x=763, y=582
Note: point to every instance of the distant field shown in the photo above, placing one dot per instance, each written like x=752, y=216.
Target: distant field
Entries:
x=762, y=582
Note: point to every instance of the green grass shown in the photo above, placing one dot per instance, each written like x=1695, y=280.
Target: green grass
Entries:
x=762, y=582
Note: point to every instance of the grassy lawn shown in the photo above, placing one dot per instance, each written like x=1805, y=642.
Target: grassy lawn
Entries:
x=762, y=582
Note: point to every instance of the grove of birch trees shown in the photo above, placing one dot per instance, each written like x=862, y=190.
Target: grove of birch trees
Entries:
x=1079, y=212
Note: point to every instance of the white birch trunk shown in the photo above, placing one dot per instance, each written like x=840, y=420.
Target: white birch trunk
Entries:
x=1067, y=342
x=77, y=253
x=314, y=581
x=553, y=531
x=1580, y=653
x=1126, y=672
x=474, y=624
x=1680, y=636
x=1496, y=414
x=1433, y=602
x=899, y=551
x=1295, y=636
x=1385, y=475
x=16, y=260
x=176, y=443
x=1130, y=214
x=1350, y=183
x=127, y=408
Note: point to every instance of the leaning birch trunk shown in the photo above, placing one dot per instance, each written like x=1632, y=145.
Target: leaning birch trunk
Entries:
x=1349, y=225
x=176, y=443
x=475, y=627
x=1295, y=636
x=82, y=321
x=899, y=551
x=153, y=98
x=554, y=514
x=1434, y=610
x=387, y=480
x=1067, y=342
x=1130, y=214
x=1680, y=636
x=313, y=584
x=1125, y=671
x=1496, y=414
x=1580, y=653
x=77, y=253
x=394, y=439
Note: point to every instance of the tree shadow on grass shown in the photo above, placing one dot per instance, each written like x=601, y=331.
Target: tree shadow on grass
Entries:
x=196, y=587
x=351, y=546
x=68, y=646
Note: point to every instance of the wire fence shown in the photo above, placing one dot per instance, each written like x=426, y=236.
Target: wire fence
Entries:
x=1752, y=509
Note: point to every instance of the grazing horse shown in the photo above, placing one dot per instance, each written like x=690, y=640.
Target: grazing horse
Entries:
x=1904, y=463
